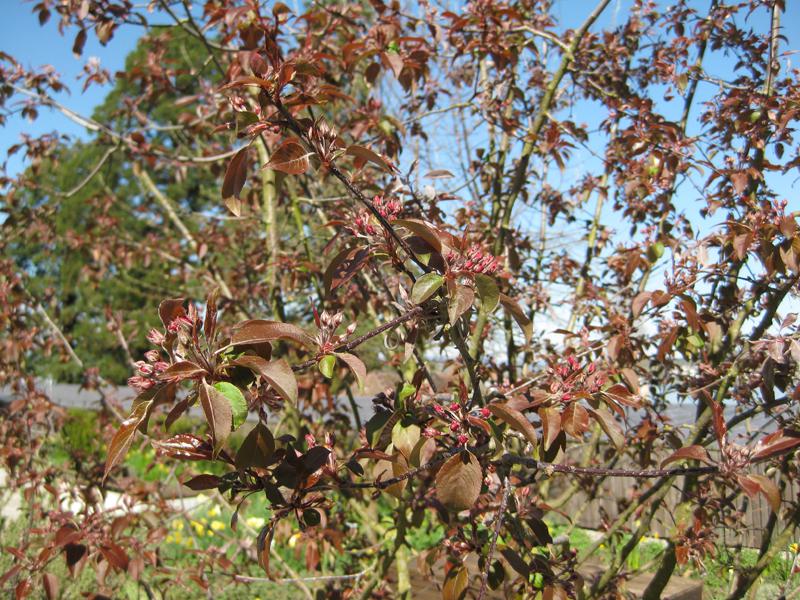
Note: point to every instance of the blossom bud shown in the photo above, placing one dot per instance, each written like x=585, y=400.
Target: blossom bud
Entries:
x=155, y=337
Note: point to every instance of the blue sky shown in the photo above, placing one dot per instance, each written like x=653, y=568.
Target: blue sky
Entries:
x=34, y=45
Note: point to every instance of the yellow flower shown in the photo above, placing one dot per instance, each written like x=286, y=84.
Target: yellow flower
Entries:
x=795, y=548
x=255, y=522
x=294, y=539
x=189, y=542
x=177, y=525
x=217, y=525
x=214, y=512
x=199, y=528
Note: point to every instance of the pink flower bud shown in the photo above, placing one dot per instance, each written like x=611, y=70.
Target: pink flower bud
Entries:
x=430, y=432
x=485, y=412
x=463, y=439
x=155, y=337
x=454, y=406
x=455, y=426
x=439, y=409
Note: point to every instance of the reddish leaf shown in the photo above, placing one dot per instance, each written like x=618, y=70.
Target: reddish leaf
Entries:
x=456, y=584
x=115, y=556
x=718, y=420
x=575, y=420
x=387, y=469
x=365, y=154
x=258, y=331
x=551, y=425
x=205, y=481
x=79, y=43
x=356, y=365
x=750, y=486
x=290, y=157
x=182, y=370
x=620, y=393
x=459, y=480
x=257, y=449
x=688, y=453
x=344, y=267
x=515, y=310
x=184, y=446
x=427, y=232
x=610, y=425
x=22, y=589
x=779, y=442
x=277, y=373
x=439, y=174
x=769, y=490
x=639, y=302
x=122, y=439
x=11, y=573
x=218, y=414
x=460, y=302
x=514, y=419
x=235, y=177
x=169, y=310
x=393, y=61
x=263, y=547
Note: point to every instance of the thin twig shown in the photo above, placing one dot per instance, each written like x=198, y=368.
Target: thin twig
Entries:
x=498, y=524
x=416, y=311
x=510, y=459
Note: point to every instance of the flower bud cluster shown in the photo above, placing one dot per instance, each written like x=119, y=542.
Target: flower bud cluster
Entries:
x=328, y=323
x=388, y=209
x=147, y=372
x=364, y=224
x=570, y=378
x=455, y=416
x=474, y=260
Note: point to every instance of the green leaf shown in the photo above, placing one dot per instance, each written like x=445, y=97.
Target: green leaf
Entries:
x=405, y=438
x=406, y=391
x=237, y=401
x=695, y=340
x=425, y=287
x=326, y=365
x=488, y=291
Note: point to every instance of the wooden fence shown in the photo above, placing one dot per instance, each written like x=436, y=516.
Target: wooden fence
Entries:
x=591, y=511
